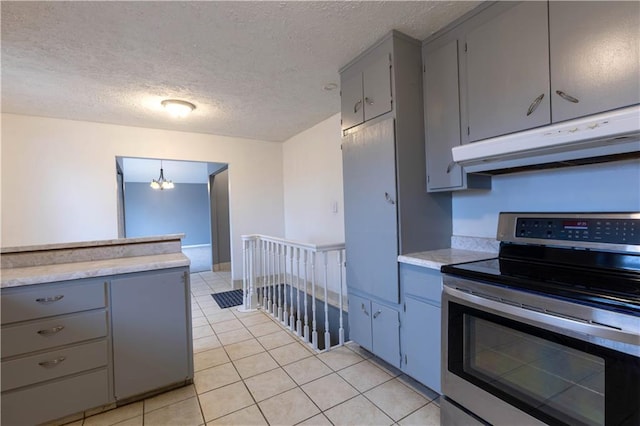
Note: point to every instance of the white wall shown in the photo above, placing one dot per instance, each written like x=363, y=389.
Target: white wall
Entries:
x=59, y=178
x=312, y=172
x=598, y=187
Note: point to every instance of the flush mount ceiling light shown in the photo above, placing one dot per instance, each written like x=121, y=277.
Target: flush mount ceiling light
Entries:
x=161, y=183
x=178, y=108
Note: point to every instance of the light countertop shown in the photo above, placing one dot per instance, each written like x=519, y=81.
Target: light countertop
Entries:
x=97, y=243
x=435, y=259
x=16, y=277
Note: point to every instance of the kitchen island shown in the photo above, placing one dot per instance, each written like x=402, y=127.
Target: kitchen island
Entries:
x=92, y=325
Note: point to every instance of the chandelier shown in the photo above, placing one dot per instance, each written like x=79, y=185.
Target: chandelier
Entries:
x=161, y=183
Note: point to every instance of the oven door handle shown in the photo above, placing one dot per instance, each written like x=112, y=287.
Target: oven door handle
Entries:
x=543, y=319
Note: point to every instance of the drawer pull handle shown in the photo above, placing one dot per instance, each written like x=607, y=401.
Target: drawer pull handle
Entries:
x=376, y=314
x=50, y=331
x=50, y=299
x=388, y=198
x=567, y=97
x=52, y=363
x=534, y=104
x=357, y=106
x=364, y=310
x=369, y=101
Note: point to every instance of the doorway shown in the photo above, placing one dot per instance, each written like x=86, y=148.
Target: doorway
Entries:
x=220, y=232
x=186, y=208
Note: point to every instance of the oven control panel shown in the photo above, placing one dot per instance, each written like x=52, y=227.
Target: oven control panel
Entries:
x=597, y=230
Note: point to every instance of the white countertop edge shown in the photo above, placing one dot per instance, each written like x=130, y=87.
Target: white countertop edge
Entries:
x=435, y=259
x=97, y=243
x=17, y=277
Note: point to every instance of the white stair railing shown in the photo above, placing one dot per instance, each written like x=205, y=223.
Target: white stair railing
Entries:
x=281, y=277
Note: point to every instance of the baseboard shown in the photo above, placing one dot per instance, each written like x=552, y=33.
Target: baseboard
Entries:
x=218, y=267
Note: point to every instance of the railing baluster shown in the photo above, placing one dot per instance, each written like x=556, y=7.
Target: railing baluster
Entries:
x=263, y=258
x=298, y=316
x=292, y=323
x=327, y=334
x=341, y=329
x=305, y=334
x=280, y=281
x=314, y=330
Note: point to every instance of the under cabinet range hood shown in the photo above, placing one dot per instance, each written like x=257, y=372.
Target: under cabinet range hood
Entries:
x=596, y=138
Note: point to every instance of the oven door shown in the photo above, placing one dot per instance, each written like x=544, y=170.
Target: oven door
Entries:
x=514, y=363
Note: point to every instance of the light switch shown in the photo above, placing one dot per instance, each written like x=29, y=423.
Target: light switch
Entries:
x=334, y=207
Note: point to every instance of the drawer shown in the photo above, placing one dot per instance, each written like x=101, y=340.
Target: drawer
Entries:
x=53, y=400
x=51, y=365
x=44, y=334
x=422, y=282
x=45, y=300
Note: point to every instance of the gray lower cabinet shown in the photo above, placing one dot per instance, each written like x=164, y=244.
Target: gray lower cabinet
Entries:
x=595, y=57
x=420, y=331
x=55, y=350
x=72, y=346
x=376, y=327
x=151, y=331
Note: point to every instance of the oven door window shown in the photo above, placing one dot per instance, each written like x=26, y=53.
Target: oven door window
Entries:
x=558, y=379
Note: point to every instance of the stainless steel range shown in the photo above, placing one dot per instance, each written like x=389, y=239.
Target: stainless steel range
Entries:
x=548, y=332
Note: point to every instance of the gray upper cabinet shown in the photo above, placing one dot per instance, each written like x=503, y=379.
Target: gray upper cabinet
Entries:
x=366, y=90
x=442, y=112
x=507, y=69
x=351, y=101
x=442, y=119
x=595, y=57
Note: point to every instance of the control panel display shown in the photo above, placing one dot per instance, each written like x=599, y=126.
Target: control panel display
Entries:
x=612, y=231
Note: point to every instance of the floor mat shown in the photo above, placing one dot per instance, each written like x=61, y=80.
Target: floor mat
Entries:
x=228, y=299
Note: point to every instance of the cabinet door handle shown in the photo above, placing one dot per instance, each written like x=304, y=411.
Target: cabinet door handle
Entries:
x=567, y=97
x=450, y=166
x=357, y=106
x=369, y=101
x=534, y=104
x=364, y=310
x=50, y=299
x=52, y=363
x=388, y=198
x=50, y=331
x=376, y=314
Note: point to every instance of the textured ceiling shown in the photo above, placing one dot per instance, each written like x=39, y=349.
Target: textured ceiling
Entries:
x=255, y=69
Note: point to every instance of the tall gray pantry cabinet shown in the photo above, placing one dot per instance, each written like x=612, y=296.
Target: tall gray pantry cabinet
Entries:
x=387, y=209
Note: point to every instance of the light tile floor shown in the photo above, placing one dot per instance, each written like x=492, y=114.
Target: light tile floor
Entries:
x=250, y=371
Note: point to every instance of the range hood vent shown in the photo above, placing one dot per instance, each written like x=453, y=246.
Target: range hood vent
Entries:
x=609, y=136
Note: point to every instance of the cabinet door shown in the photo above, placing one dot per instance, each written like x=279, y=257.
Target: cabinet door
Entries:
x=151, y=334
x=442, y=110
x=385, y=328
x=508, y=72
x=352, y=109
x=371, y=230
x=421, y=342
x=360, y=321
x=595, y=56
x=376, y=81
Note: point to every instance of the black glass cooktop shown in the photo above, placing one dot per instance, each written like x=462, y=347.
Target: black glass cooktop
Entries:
x=602, y=279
